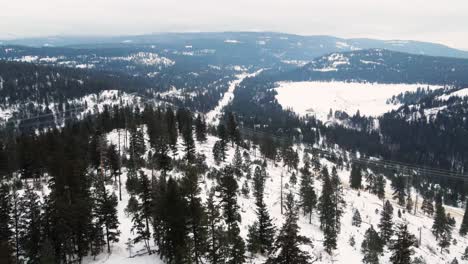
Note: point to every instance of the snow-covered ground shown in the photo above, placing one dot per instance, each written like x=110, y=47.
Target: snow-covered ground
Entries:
x=460, y=93
x=368, y=205
x=214, y=115
x=317, y=98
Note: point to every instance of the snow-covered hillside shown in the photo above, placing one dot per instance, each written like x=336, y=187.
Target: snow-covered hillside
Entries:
x=368, y=205
x=317, y=98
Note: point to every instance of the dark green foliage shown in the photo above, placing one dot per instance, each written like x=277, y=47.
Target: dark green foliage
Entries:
x=30, y=225
x=6, y=250
x=399, y=189
x=464, y=224
x=106, y=213
x=261, y=233
x=308, y=198
x=196, y=219
x=401, y=247
x=355, y=179
x=328, y=213
x=228, y=197
x=216, y=233
x=356, y=218
x=441, y=227
x=386, y=222
x=371, y=247
x=200, y=128
x=286, y=247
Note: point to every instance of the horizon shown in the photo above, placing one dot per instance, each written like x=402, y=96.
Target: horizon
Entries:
x=426, y=21
x=217, y=32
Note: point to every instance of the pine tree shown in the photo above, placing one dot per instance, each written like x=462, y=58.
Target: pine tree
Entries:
x=464, y=224
x=441, y=228
x=141, y=219
x=371, y=246
x=137, y=145
x=327, y=210
x=465, y=254
x=232, y=129
x=216, y=233
x=237, y=162
x=172, y=131
x=402, y=246
x=200, y=128
x=308, y=198
x=286, y=247
x=356, y=218
x=338, y=197
x=427, y=206
x=106, y=212
x=196, y=222
x=386, y=222
x=30, y=225
x=261, y=233
x=6, y=250
x=228, y=197
x=189, y=143
x=399, y=189
x=380, y=186
x=219, y=152
x=355, y=179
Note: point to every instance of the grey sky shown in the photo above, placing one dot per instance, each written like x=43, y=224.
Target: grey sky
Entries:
x=427, y=20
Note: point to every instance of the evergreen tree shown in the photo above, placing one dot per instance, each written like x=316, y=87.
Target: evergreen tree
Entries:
x=6, y=250
x=355, y=179
x=371, y=246
x=232, y=129
x=30, y=225
x=465, y=254
x=216, y=233
x=196, y=222
x=380, y=186
x=338, y=197
x=141, y=219
x=261, y=233
x=219, y=152
x=327, y=209
x=237, y=162
x=402, y=246
x=356, y=218
x=286, y=247
x=106, y=213
x=399, y=189
x=386, y=222
x=137, y=145
x=441, y=228
x=308, y=198
x=427, y=206
x=200, y=128
x=189, y=143
x=172, y=130
x=228, y=197
x=464, y=224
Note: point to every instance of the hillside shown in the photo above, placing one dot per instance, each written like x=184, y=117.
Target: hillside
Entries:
x=383, y=66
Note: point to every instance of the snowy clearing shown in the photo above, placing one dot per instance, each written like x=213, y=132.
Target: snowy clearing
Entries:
x=213, y=116
x=316, y=98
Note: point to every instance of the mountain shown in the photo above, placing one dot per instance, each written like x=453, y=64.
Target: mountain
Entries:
x=287, y=47
x=383, y=66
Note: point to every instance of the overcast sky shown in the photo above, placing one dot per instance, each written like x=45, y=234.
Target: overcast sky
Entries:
x=427, y=20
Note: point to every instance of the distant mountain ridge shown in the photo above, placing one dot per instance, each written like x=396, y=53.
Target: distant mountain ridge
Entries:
x=383, y=66
x=285, y=46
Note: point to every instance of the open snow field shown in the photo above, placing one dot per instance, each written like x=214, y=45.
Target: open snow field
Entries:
x=316, y=98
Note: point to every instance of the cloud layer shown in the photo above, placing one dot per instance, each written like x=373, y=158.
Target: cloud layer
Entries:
x=427, y=20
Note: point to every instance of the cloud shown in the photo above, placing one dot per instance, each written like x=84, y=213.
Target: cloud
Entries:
x=429, y=20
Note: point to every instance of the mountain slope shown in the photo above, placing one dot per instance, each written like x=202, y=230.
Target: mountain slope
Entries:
x=383, y=66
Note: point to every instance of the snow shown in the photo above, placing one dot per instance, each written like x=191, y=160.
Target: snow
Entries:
x=214, y=115
x=460, y=93
x=232, y=41
x=317, y=98
x=368, y=205
x=332, y=62
x=299, y=63
x=146, y=58
x=28, y=58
